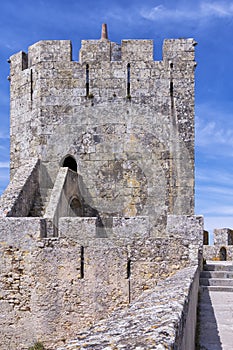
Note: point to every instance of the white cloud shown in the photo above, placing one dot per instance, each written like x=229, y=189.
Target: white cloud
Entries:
x=217, y=9
x=204, y=10
x=219, y=210
x=4, y=135
x=4, y=164
x=214, y=193
x=160, y=12
x=224, y=191
x=213, y=133
x=217, y=176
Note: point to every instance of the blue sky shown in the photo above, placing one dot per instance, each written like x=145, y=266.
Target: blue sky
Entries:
x=210, y=23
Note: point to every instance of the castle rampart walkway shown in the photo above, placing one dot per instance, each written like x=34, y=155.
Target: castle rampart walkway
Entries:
x=216, y=307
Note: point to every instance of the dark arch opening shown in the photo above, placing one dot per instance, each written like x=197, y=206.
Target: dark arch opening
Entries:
x=70, y=163
x=75, y=208
x=223, y=254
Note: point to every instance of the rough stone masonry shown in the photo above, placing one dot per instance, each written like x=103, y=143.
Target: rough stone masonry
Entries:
x=101, y=200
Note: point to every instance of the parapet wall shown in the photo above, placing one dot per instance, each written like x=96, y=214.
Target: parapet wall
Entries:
x=19, y=195
x=50, y=287
x=222, y=249
x=213, y=252
x=101, y=51
x=164, y=318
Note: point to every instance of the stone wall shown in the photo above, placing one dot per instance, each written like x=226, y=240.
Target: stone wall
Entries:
x=108, y=232
x=126, y=119
x=20, y=193
x=50, y=287
x=160, y=319
x=223, y=236
x=222, y=249
x=212, y=252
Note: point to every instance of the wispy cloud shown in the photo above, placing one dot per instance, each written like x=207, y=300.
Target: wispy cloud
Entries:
x=216, y=9
x=218, y=176
x=4, y=164
x=214, y=205
x=203, y=10
x=214, y=130
x=4, y=135
x=214, y=192
x=213, y=133
x=225, y=210
x=217, y=190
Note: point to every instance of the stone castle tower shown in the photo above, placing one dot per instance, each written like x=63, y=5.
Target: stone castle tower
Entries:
x=102, y=181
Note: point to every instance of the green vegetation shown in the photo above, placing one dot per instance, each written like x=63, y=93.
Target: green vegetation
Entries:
x=37, y=346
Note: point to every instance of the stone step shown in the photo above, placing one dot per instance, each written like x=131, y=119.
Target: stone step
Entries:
x=216, y=282
x=204, y=289
x=47, y=197
x=218, y=267
x=216, y=274
x=41, y=202
x=217, y=277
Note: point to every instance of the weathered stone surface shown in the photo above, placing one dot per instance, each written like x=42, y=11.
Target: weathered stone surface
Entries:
x=120, y=219
x=19, y=195
x=156, y=320
x=129, y=128
x=50, y=287
x=223, y=237
x=222, y=249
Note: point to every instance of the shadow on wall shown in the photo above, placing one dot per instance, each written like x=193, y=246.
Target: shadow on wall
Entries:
x=78, y=206
x=207, y=329
x=103, y=224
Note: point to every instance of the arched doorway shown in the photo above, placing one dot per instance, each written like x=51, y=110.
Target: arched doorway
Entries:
x=70, y=163
x=223, y=254
x=75, y=207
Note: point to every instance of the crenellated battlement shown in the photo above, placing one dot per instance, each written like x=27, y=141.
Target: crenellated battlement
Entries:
x=97, y=51
x=179, y=49
x=42, y=51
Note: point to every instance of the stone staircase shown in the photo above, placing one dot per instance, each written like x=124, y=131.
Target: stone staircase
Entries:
x=215, y=309
x=217, y=277
x=41, y=202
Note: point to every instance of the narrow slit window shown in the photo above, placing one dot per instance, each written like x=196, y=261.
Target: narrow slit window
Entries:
x=82, y=262
x=128, y=268
x=128, y=278
x=31, y=84
x=87, y=79
x=171, y=88
x=128, y=79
